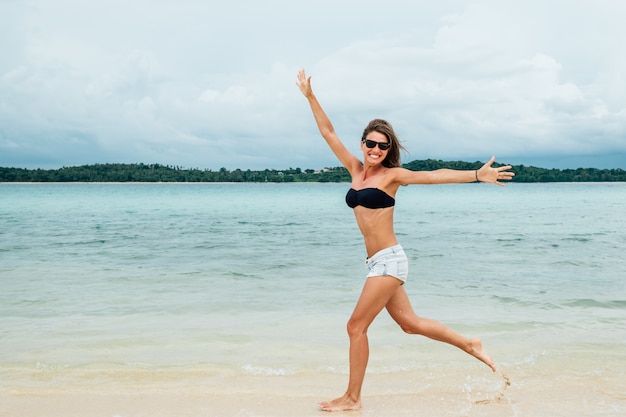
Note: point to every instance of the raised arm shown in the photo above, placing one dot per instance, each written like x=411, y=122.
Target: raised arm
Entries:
x=486, y=173
x=325, y=127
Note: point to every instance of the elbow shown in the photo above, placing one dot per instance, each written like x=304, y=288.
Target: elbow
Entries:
x=432, y=178
x=327, y=132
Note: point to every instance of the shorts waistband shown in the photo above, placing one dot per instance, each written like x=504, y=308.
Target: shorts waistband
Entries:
x=392, y=249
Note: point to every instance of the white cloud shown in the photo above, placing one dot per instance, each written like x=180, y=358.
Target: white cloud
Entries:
x=234, y=96
x=200, y=84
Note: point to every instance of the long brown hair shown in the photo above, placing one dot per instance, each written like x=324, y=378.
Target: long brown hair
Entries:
x=382, y=126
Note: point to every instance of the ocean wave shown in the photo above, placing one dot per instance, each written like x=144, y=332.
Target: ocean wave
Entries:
x=543, y=305
x=265, y=371
x=557, y=304
x=591, y=303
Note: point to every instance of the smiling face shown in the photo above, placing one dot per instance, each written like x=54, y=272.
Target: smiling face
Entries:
x=379, y=130
x=375, y=155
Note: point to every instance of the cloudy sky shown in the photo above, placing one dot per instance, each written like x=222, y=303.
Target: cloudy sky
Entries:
x=208, y=84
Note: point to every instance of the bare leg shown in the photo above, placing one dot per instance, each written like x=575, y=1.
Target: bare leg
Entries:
x=376, y=293
x=399, y=307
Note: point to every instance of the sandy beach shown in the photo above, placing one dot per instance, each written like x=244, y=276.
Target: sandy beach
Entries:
x=581, y=385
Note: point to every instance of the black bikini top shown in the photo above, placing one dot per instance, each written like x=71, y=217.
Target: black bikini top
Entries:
x=371, y=198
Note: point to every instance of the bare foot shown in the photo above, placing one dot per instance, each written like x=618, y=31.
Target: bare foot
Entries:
x=476, y=350
x=344, y=403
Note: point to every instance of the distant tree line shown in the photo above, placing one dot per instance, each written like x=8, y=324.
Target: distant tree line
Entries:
x=529, y=173
x=166, y=173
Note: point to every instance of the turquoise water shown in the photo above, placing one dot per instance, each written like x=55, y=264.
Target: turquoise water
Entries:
x=259, y=279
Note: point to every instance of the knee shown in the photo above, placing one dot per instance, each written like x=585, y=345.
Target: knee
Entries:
x=355, y=328
x=408, y=329
x=410, y=326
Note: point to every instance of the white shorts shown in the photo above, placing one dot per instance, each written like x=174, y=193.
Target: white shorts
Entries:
x=389, y=262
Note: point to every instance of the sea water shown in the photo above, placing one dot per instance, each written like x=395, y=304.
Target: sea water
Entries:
x=234, y=280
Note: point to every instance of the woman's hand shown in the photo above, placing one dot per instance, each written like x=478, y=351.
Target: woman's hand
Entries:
x=488, y=174
x=304, y=84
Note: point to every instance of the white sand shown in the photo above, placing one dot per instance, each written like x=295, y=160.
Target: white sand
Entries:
x=543, y=389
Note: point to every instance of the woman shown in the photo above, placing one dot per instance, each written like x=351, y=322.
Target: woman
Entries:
x=375, y=182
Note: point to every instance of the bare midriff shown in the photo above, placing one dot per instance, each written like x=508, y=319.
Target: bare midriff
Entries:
x=376, y=226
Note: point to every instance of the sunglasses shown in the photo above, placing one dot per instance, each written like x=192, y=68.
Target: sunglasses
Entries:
x=383, y=146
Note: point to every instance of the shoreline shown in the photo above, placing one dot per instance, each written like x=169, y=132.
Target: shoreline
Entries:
x=543, y=391
x=581, y=384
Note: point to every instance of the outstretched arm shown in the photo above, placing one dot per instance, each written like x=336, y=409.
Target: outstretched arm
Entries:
x=325, y=127
x=486, y=173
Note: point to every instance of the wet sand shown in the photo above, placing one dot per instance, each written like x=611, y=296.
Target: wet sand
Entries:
x=582, y=387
